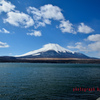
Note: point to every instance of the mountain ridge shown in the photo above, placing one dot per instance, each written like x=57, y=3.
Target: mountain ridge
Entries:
x=52, y=51
x=47, y=47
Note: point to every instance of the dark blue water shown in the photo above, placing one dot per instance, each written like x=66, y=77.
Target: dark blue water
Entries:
x=30, y=81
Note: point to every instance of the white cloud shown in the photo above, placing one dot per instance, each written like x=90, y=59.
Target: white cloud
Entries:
x=51, y=12
x=95, y=37
x=3, y=45
x=19, y=19
x=38, y=24
x=82, y=28
x=41, y=17
x=36, y=13
x=66, y=26
x=95, y=46
x=92, y=45
x=35, y=33
x=47, y=21
x=79, y=46
x=44, y=15
x=47, y=12
x=6, y=6
x=4, y=31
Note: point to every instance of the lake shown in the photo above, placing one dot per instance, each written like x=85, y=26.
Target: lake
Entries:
x=42, y=81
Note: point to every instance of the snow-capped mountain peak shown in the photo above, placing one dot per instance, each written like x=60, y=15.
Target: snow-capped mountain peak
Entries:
x=45, y=48
x=54, y=47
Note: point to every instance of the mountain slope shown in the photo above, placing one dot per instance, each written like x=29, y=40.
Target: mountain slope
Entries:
x=52, y=51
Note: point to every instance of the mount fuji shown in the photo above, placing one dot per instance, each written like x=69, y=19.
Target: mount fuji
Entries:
x=52, y=51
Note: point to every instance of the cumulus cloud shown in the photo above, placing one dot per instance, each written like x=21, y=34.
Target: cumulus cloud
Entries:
x=79, y=46
x=3, y=30
x=19, y=19
x=51, y=12
x=38, y=24
x=45, y=14
x=82, y=28
x=3, y=45
x=66, y=26
x=41, y=17
x=35, y=33
x=95, y=46
x=6, y=6
x=95, y=39
x=36, y=13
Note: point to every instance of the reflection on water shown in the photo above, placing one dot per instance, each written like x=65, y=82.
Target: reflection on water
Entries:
x=27, y=81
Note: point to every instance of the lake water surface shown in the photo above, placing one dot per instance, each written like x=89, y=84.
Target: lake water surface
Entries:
x=41, y=81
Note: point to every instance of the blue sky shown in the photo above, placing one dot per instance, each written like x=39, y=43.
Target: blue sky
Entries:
x=27, y=25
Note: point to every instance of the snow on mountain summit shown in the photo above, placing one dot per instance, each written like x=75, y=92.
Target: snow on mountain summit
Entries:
x=54, y=47
x=45, y=48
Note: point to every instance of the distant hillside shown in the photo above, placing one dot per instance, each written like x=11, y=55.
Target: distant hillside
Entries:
x=49, y=60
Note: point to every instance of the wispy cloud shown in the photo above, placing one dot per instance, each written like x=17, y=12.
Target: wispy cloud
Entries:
x=3, y=45
x=35, y=33
x=3, y=30
x=79, y=46
x=92, y=45
x=82, y=28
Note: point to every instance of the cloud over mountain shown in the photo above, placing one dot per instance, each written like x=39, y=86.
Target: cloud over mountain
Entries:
x=79, y=46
